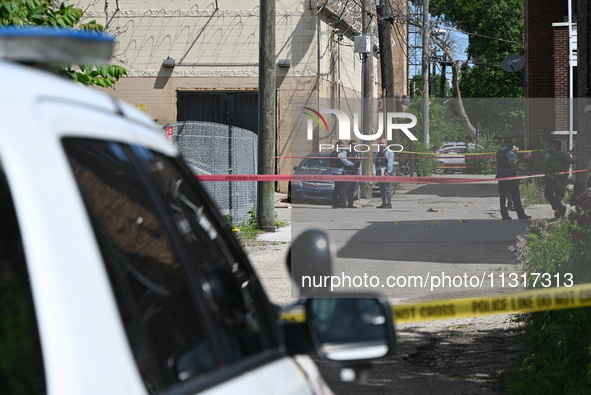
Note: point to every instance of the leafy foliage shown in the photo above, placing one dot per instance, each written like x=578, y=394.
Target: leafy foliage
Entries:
x=490, y=80
x=557, y=354
x=481, y=164
x=557, y=357
x=496, y=29
x=498, y=118
x=47, y=13
x=249, y=229
x=424, y=165
x=104, y=75
x=443, y=123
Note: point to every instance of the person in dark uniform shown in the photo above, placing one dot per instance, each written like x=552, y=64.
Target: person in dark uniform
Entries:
x=507, y=167
x=353, y=156
x=338, y=162
x=509, y=199
x=385, y=167
x=556, y=161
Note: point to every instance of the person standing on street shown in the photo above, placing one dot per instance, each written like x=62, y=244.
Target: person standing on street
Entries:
x=338, y=163
x=507, y=167
x=385, y=167
x=556, y=161
x=353, y=156
x=509, y=198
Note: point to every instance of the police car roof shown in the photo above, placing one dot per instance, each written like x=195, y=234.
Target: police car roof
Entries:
x=24, y=88
x=55, y=46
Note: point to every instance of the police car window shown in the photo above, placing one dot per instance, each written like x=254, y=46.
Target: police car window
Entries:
x=21, y=359
x=231, y=289
x=155, y=299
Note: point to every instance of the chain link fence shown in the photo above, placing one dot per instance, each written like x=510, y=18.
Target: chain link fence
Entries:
x=213, y=148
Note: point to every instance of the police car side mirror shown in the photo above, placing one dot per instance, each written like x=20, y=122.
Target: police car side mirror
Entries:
x=351, y=330
x=296, y=167
x=310, y=259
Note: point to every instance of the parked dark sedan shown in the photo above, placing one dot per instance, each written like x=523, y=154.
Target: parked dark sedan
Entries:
x=312, y=191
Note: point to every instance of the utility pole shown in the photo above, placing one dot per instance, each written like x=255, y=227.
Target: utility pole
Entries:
x=385, y=22
x=267, y=115
x=385, y=27
x=366, y=93
x=425, y=69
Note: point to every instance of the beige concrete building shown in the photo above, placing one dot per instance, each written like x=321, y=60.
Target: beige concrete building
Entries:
x=199, y=60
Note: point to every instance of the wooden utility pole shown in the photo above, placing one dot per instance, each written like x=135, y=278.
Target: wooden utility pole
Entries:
x=385, y=21
x=367, y=108
x=267, y=115
x=425, y=64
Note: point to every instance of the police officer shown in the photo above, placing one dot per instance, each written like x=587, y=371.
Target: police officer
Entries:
x=353, y=156
x=385, y=167
x=556, y=161
x=507, y=167
x=338, y=162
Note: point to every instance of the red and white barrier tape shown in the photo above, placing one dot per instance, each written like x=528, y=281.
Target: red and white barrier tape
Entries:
x=358, y=178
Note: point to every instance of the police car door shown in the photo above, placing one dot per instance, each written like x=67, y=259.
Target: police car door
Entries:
x=193, y=312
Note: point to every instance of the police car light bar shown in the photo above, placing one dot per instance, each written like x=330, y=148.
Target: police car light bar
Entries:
x=55, y=46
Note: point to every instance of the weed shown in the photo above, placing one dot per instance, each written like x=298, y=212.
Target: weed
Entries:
x=229, y=221
x=249, y=229
x=532, y=192
x=252, y=217
x=279, y=223
x=557, y=353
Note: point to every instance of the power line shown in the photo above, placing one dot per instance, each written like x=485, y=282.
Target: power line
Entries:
x=409, y=19
x=482, y=35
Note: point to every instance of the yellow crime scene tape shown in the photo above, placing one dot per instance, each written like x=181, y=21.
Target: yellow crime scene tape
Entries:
x=546, y=299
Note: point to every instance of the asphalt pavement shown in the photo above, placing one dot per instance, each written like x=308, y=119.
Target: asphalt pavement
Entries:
x=438, y=241
x=432, y=231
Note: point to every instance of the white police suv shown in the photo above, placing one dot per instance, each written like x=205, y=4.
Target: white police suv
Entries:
x=117, y=274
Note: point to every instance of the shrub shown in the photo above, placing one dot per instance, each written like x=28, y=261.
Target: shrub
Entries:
x=424, y=164
x=480, y=164
x=557, y=353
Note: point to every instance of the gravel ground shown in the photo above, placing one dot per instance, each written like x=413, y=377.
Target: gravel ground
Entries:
x=460, y=356
x=469, y=356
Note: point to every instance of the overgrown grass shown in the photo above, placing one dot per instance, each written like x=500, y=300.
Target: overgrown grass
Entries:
x=557, y=354
x=556, y=357
x=532, y=192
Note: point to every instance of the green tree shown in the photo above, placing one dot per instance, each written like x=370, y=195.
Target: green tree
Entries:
x=495, y=30
x=51, y=14
x=444, y=123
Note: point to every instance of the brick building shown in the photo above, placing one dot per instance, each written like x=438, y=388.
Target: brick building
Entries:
x=211, y=50
x=547, y=71
x=547, y=74
x=583, y=107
